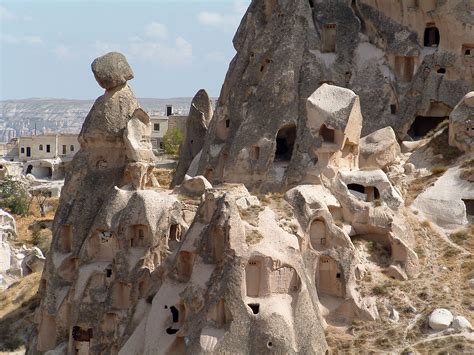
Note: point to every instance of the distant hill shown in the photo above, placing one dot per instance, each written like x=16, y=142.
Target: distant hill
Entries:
x=19, y=117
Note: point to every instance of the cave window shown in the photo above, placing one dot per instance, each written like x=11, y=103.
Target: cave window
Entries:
x=285, y=140
x=393, y=109
x=431, y=38
x=255, y=153
x=404, y=68
x=329, y=38
x=422, y=125
x=227, y=123
x=469, y=203
x=467, y=52
x=138, y=238
x=71, y=148
x=311, y=3
x=327, y=134
x=29, y=169
x=338, y=275
x=40, y=147
x=108, y=272
x=22, y=150
x=441, y=71
x=255, y=307
x=65, y=238
x=79, y=334
x=175, y=232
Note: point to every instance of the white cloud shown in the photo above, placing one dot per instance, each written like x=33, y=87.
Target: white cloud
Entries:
x=11, y=39
x=6, y=14
x=180, y=52
x=225, y=21
x=105, y=47
x=63, y=52
x=157, y=30
x=217, y=57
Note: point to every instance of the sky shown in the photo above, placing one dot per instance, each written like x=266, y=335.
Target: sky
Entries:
x=175, y=47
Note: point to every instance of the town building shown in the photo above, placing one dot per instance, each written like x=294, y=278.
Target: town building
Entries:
x=48, y=146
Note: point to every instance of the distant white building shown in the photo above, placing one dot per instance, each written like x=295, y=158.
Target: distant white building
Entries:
x=48, y=146
x=161, y=124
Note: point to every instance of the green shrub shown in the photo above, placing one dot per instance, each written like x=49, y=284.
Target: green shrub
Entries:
x=171, y=141
x=14, y=196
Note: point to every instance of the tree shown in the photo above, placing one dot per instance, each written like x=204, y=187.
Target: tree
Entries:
x=14, y=196
x=172, y=140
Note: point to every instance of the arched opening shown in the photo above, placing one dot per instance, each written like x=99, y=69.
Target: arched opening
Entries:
x=284, y=280
x=42, y=172
x=102, y=246
x=364, y=193
x=329, y=38
x=255, y=278
x=65, y=238
x=318, y=234
x=139, y=236
x=47, y=333
x=441, y=71
x=326, y=134
x=255, y=153
x=29, y=169
x=82, y=338
x=329, y=278
x=431, y=38
x=218, y=243
x=469, y=203
x=422, y=125
x=175, y=232
x=219, y=314
x=285, y=141
x=404, y=68
x=121, y=295
x=185, y=265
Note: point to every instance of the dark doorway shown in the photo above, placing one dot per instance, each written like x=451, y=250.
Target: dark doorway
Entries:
x=431, y=37
x=469, y=206
x=327, y=134
x=356, y=187
x=29, y=169
x=255, y=307
x=422, y=125
x=285, y=140
x=28, y=151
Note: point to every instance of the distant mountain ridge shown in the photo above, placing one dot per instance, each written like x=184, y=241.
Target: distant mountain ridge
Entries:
x=49, y=115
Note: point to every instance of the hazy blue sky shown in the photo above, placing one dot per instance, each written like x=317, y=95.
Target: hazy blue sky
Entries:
x=175, y=47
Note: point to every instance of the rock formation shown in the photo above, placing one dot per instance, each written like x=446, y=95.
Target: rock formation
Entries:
x=209, y=267
x=200, y=115
x=409, y=62
x=461, y=124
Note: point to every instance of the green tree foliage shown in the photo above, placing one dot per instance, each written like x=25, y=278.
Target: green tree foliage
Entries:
x=14, y=196
x=172, y=140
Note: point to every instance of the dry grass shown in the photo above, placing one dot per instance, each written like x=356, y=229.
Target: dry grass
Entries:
x=464, y=237
x=467, y=170
x=442, y=282
x=164, y=176
x=17, y=307
x=439, y=144
x=253, y=237
x=418, y=185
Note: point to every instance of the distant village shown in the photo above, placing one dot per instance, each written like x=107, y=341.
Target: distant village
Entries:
x=45, y=156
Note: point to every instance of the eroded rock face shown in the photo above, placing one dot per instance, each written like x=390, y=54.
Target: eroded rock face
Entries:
x=197, y=123
x=106, y=236
x=111, y=70
x=461, y=124
x=379, y=149
x=286, y=50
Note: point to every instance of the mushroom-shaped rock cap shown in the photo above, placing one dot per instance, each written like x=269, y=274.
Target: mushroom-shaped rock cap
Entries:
x=111, y=70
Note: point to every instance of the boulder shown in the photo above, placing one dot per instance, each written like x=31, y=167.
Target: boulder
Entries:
x=379, y=149
x=461, y=323
x=195, y=186
x=111, y=70
x=34, y=261
x=394, y=316
x=440, y=319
